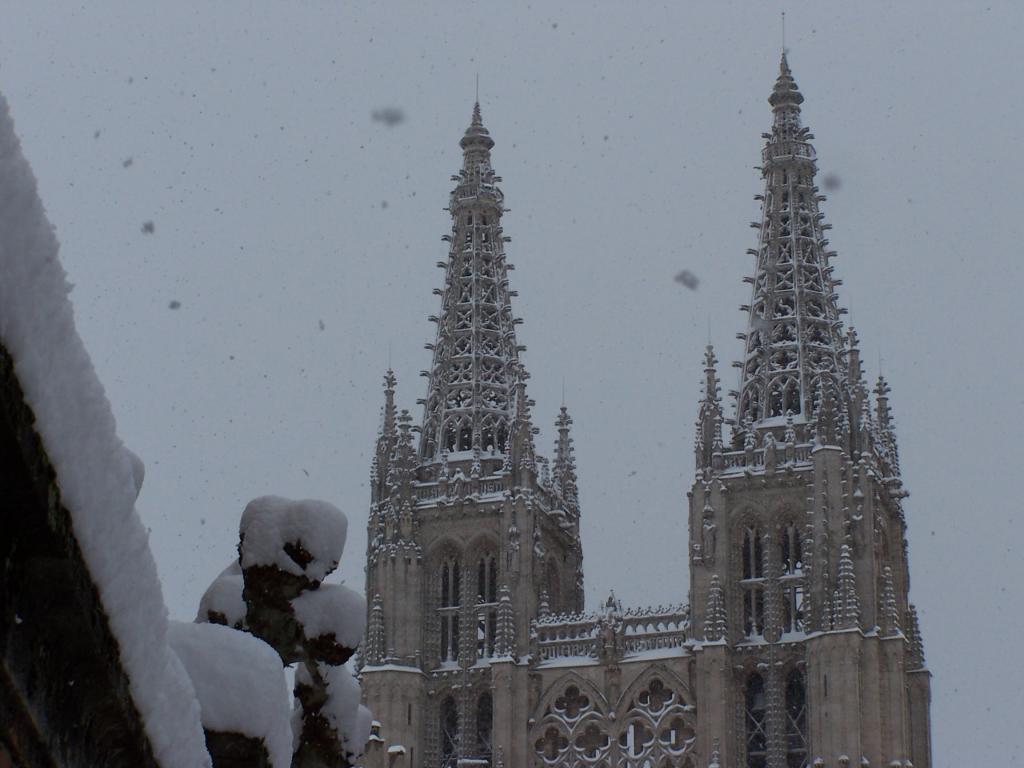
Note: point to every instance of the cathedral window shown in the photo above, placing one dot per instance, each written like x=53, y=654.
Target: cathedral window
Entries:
x=448, y=440
x=756, y=723
x=487, y=605
x=449, y=717
x=466, y=437
x=753, y=583
x=484, y=725
x=796, y=720
x=448, y=608
x=791, y=550
x=753, y=557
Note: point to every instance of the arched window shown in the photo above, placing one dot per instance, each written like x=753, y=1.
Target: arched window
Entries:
x=792, y=579
x=791, y=549
x=796, y=720
x=487, y=604
x=449, y=722
x=756, y=723
x=448, y=440
x=448, y=608
x=753, y=584
x=484, y=725
x=753, y=554
x=466, y=437
x=793, y=397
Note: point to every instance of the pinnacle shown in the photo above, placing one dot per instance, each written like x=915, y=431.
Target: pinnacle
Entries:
x=476, y=135
x=785, y=92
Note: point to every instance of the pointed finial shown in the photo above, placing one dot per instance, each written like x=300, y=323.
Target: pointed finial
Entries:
x=785, y=93
x=477, y=87
x=476, y=135
x=783, y=36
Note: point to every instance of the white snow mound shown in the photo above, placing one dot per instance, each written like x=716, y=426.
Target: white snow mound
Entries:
x=332, y=608
x=269, y=523
x=97, y=475
x=240, y=683
x=224, y=596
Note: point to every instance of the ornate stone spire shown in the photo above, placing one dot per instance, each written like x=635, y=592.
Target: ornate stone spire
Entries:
x=846, y=610
x=886, y=434
x=709, y=418
x=505, y=631
x=915, y=645
x=375, y=633
x=715, y=623
x=793, y=339
x=564, y=467
x=471, y=392
x=387, y=439
x=890, y=612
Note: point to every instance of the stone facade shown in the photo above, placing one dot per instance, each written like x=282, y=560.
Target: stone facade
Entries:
x=798, y=646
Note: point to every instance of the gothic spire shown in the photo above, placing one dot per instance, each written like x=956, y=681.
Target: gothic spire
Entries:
x=886, y=433
x=565, y=463
x=472, y=385
x=505, y=629
x=889, y=608
x=793, y=339
x=709, y=426
x=375, y=633
x=715, y=626
x=387, y=438
x=846, y=611
x=915, y=645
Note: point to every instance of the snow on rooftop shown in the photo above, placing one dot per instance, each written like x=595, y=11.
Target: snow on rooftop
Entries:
x=240, y=682
x=98, y=477
x=269, y=523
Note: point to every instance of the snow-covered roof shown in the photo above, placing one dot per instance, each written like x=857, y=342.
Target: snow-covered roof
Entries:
x=97, y=476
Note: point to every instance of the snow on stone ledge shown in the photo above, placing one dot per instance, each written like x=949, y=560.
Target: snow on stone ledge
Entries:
x=97, y=475
x=240, y=683
x=269, y=523
x=332, y=608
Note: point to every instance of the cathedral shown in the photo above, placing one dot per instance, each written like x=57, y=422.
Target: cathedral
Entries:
x=797, y=645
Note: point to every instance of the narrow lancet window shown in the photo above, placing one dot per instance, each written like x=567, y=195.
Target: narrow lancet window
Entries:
x=756, y=723
x=796, y=720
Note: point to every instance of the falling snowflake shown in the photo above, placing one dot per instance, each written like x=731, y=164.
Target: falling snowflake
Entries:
x=148, y=228
x=175, y=304
x=831, y=182
x=390, y=116
x=687, y=278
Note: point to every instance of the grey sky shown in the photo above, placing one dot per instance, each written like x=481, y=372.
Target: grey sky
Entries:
x=626, y=134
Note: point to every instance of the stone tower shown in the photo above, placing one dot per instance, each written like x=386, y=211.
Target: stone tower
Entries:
x=472, y=534
x=798, y=649
x=807, y=649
